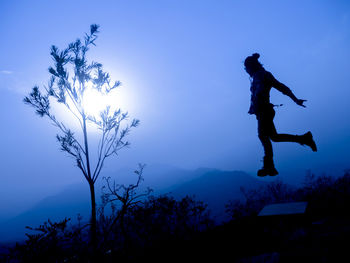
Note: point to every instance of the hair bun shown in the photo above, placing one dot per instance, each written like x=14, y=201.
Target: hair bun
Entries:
x=256, y=55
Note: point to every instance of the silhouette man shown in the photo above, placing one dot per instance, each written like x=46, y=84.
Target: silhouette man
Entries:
x=261, y=84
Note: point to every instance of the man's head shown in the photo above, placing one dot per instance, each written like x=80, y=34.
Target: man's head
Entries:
x=252, y=64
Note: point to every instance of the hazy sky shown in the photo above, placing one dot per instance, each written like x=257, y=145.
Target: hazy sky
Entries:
x=181, y=65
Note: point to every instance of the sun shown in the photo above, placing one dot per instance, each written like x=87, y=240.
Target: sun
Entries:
x=94, y=101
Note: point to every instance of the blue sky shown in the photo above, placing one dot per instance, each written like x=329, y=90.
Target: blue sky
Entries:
x=181, y=65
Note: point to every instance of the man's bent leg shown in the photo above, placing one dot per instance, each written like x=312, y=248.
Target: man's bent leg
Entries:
x=282, y=137
x=306, y=139
x=265, y=126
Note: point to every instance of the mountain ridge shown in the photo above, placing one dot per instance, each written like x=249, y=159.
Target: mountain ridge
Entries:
x=212, y=186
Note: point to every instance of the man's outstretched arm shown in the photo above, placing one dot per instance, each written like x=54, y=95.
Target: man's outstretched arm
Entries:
x=285, y=90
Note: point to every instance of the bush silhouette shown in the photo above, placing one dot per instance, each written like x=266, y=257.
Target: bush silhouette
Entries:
x=159, y=226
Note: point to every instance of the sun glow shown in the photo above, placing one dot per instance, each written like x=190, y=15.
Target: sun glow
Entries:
x=94, y=102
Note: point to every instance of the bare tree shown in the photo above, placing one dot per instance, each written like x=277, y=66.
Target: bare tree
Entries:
x=128, y=196
x=71, y=76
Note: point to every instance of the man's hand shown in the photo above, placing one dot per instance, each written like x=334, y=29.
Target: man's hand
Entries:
x=300, y=102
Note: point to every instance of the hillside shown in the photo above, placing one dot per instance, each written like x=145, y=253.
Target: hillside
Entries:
x=216, y=188
x=212, y=186
x=162, y=226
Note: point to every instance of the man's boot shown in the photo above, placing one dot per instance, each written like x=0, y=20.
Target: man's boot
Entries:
x=268, y=168
x=308, y=140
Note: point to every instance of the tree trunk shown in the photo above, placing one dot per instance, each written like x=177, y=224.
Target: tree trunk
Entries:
x=92, y=188
x=93, y=228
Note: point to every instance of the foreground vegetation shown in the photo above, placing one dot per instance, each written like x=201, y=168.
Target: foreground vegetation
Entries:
x=136, y=226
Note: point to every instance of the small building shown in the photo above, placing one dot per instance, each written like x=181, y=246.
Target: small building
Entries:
x=281, y=209
x=293, y=214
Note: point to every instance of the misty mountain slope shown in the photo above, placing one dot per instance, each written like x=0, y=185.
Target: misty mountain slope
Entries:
x=216, y=188
x=75, y=199
x=212, y=186
x=67, y=203
x=161, y=177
